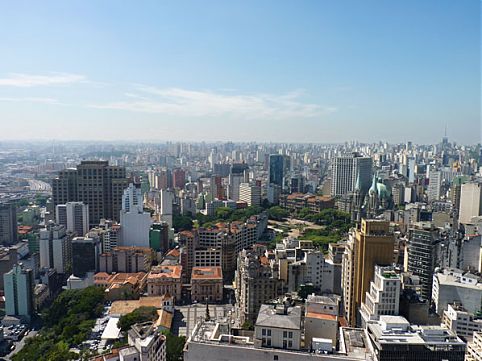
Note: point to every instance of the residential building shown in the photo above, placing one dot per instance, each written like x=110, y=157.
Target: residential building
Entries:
x=55, y=248
x=135, y=223
x=278, y=326
x=74, y=216
x=207, y=284
x=127, y=260
x=146, y=344
x=321, y=319
x=250, y=193
x=163, y=280
x=370, y=245
x=19, y=292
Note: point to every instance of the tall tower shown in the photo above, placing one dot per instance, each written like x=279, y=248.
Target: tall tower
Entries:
x=345, y=171
x=276, y=169
x=373, y=244
x=8, y=224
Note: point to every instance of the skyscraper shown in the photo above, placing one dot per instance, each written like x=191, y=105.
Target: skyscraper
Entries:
x=237, y=175
x=276, y=169
x=74, y=216
x=373, y=244
x=19, y=285
x=470, y=201
x=85, y=255
x=96, y=184
x=346, y=169
x=55, y=248
x=8, y=224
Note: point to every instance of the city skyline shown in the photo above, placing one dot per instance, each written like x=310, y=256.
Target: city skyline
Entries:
x=272, y=72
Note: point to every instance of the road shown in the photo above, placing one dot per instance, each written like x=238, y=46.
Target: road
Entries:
x=19, y=345
x=38, y=185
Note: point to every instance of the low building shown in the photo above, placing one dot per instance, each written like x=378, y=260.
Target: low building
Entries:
x=278, y=326
x=207, y=284
x=146, y=344
x=393, y=337
x=120, y=308
x=165, y=280
x=121, y=286
x=461, y=322
x=321, y=319
x=298, y=201
x=474, y=348
x=127, y=260
x=454, y=285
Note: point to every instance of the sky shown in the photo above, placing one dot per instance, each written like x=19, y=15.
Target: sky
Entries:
x=319, y=71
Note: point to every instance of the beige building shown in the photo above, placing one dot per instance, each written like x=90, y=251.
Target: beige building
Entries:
x=321, y=319
x=461, y=322
x=165, y=280
x=474, y=348
x=127, y=260
x=370, y=245
x=207, y=284
x=121, y=286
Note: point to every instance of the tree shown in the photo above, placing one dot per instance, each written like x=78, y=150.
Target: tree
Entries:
x=247, y=325
x=277, y=213
x=223, y=212
x=139, y=315
x=182, y=223
x=174, y=346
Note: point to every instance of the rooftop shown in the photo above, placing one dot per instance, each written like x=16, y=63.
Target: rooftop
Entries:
x=207, y=273
x=269, y=316
x=164, y=271
x=127, y=306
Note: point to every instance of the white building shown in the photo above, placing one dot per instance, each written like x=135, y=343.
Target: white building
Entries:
x=321, y=319
x=453, y=285
x=346, y=169
x=74, y=216
x=474, y=348
x=383, y=298
x=470, y=201
x=135, y=223
x=146, y=344
x=250, y=193
x=434, y=186
x=165, y=208
x=279, y=327
x=55, y=247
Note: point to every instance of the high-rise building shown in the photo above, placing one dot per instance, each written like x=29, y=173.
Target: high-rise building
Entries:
x=255, y=284
x=346, y=169
x=474, y=348
x=178, y=178
x=373, y=244
x=159, y=237
x=96, y=184
x=422, y=244
x=85, y=255
x=238, y=174
x=135, y=223
x=74, y=216
x=55, y=248
x=470, y=201
x=19, y=285
x=250, y=193
x=383, y=298
x=276, y=169
x=434, y=186
x=8, y=224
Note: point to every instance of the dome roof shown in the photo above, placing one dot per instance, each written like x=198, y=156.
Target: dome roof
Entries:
x=383, y=191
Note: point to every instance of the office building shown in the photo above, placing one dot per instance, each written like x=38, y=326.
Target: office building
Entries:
x=135, y=223
x=96, y=184
x=370, y=245
x=159, y=237
x=238, y=174
x=74, y=216
x=346, y=169
x=8, y=224
x=383, y=297
x=127, y=260
x=276, y=169
x=393, y=338
x=165, y=208
x=423, y=241
x=434, y=186
x=250, y=193
x=178, y=178
x=19, y=288
x=85, y=255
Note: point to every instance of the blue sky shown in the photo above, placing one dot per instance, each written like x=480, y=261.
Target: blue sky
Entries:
x=291, y=71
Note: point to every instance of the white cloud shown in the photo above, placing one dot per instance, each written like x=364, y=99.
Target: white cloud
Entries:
x=30, y=80
x=30, y=100
x=197, y=103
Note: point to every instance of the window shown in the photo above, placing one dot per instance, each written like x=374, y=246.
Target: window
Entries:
x=290, y=344
x=275, y=358
x=285, y=334
x=290, y=335
x=269, y=332
x=263, y=332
